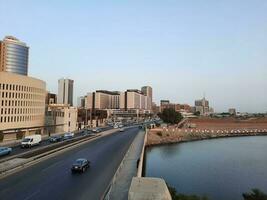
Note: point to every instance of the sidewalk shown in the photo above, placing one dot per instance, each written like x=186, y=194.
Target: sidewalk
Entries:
x=123, y=177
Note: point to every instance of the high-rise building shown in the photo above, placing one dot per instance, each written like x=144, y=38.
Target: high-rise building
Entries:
x=65, y=91
x=14, y=56
x=202, y=106
x=81, y=102
x=147, y=91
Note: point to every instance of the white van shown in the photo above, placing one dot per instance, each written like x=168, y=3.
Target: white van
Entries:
x=31, y=140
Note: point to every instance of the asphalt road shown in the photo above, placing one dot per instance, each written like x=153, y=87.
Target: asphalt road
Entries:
x=17, y=149
x=52, y=178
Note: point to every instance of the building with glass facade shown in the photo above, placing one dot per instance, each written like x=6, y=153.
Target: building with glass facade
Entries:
x=14, y=56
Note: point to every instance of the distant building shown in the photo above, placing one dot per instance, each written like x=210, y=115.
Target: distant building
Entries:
x=61, y=118
x=14, y=56
x=50, y=98
x=155, y=108
x=202, y=106
x=164, y=102
x=147, y=91
x=81, y=101
x=65, y=91
x=183, y=108
x=133, y=99
x=232, y=111
x=103, y=99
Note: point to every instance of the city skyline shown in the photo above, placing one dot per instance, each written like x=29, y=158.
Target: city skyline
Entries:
x=219, y=50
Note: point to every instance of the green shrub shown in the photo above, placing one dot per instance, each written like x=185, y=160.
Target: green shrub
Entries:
x=176, y=196
x=255, y=194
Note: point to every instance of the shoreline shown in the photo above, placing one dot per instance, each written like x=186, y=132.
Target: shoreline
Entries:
x=178, y=140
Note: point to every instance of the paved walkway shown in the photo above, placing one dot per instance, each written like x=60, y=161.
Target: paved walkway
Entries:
x=120, y=187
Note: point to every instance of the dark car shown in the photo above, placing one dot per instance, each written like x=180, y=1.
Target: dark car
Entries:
x=80, y=165
x=56, y=138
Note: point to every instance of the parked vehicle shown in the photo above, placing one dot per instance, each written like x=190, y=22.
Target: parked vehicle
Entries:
x=56, y=138
x=68, y=136
x=5, y=151
x=96, y=130
x=120, y=125
x=115, y=126
x=121, y=129
x=80, y=165
x=31, y=140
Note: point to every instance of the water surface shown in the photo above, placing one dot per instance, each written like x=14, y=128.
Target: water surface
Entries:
x=222, y=169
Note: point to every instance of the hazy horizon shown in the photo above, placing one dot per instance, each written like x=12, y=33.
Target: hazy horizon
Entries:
x=182, y=49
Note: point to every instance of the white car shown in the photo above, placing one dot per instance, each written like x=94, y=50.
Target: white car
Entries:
x=121, y=129
x=31, y=140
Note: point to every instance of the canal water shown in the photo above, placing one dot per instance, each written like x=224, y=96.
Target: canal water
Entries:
x=221, y=169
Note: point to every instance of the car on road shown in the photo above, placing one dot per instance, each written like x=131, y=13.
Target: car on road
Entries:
x=96, y=130
x=56, y=138
x=5, y=151
x=80, y=165
x=68, y=136
x=121, y=129
x=31, y=140
x=115, y=126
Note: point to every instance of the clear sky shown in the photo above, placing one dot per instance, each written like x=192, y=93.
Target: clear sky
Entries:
x=182, y=48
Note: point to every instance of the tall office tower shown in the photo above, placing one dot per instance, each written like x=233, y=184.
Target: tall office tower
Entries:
x=14, y=56
x=65, y=91
x=147, y=90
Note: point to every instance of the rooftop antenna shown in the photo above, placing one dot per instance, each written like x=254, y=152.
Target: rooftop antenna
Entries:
x=204, y=95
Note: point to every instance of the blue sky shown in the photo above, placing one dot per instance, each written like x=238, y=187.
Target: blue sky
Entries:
x=181, y=48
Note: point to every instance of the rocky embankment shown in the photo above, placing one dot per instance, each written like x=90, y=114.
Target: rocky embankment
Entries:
x=170, y=135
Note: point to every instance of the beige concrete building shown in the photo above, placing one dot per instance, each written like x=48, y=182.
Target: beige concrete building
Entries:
x=22, y=102
x=102, y=99
x=61, y=118
x=14, y=56
x=133, y=99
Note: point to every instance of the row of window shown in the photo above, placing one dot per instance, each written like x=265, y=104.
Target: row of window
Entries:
x=8, y=111
x=10, y=119
x=22, y=103
x=55, y=113
x=22, y=88
x=21, y=95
